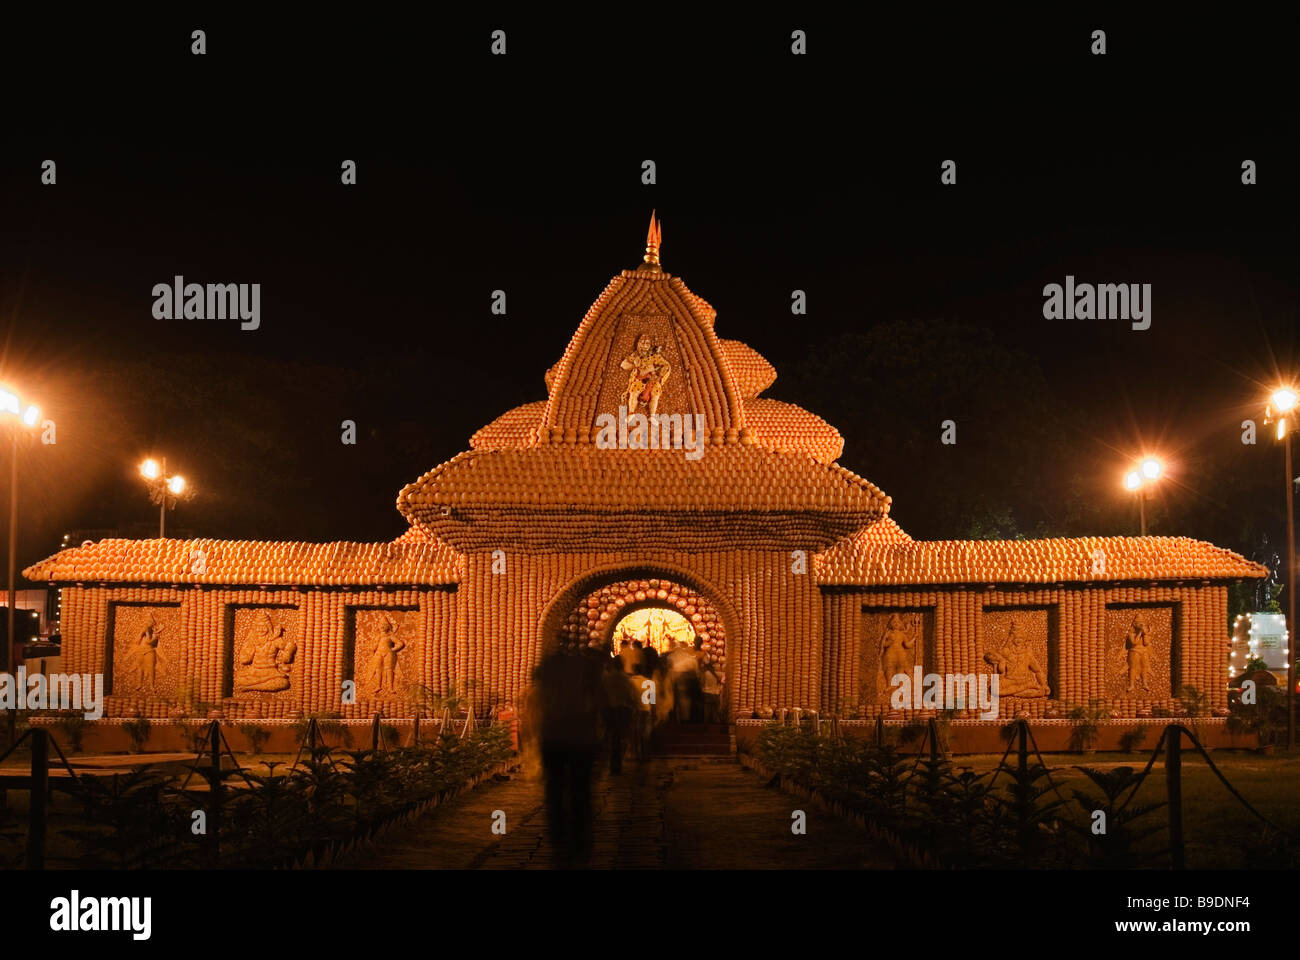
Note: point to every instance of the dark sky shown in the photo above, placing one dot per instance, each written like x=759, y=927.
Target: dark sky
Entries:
x=523, y=174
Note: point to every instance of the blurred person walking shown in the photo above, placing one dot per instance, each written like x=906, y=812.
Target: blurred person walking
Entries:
x=570, y=699
x=619, y=708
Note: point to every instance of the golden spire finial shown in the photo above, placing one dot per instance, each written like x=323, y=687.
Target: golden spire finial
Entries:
x=653, y=238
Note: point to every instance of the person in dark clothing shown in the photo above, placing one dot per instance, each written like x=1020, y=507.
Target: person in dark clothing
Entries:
x=619, y=706
x=650, y=660
x=696, y=683
x=571, y=699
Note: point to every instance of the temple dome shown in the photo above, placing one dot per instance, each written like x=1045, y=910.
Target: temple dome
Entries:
x=751, y=369
x=761, y=471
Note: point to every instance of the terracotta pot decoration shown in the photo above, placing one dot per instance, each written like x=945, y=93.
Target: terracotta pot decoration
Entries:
x=562, y=521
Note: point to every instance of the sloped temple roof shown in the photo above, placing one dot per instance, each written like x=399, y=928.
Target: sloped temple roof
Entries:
x=542, y=477
x=252, y=562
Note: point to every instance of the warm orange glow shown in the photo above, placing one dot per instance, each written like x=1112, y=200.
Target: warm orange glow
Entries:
x=176, y=484
x=1152, y=468
x=656, y=627
x=150, y=469
x=31, y=415
x=1283, y=400
x=1132, y=480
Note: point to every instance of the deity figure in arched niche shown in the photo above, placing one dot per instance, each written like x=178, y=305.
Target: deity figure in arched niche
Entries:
x=655, y=629
x=648, y=372
x=1138, y=651
x=265, y=658
x=1019, y=672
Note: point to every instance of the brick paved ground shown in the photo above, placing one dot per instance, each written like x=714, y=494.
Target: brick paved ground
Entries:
x=675, y=813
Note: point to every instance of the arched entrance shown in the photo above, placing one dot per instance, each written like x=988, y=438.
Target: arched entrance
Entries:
x=611, y=614
x=592, y=607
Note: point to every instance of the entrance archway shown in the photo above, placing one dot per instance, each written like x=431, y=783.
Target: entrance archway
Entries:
x=557, y=626
x=593, y=618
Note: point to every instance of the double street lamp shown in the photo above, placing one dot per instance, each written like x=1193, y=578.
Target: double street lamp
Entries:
x=164, y=490
x=1137, y=480
x=1280, y=408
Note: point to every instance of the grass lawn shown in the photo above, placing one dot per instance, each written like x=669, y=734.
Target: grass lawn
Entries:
x=1219, y=831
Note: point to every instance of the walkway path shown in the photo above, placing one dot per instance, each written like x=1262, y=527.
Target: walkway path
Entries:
x=676, y=813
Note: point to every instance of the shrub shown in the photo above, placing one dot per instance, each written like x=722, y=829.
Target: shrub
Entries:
x=138, y=730
x=1086, y=725
x=73, y=726
x=256, y=734
x=1131, y=740
x=1114, y=847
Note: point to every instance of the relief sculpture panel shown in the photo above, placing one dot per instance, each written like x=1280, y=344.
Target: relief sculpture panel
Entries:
x=1139, y=641
x=146, y=650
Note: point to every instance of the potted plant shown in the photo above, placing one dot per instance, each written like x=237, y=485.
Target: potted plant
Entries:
x=138, y=729
x=1131, y=740
x=73, y=726
x=256, y=735
x=1085, y=726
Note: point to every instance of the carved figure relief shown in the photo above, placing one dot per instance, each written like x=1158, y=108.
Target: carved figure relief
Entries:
x=383, y=660
x=648, y=373
x=1139, y=642
x=145, y=652
x=1020, y=674
x=265, y=657
x=897, y=650
x=1139, y=655
x=146, y=649
x=386, y=651
x=891, y=642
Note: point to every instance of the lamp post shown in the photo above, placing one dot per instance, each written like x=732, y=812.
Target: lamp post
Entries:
x=1138, y=479
x=164, y=490
x=11, y=408
x=1280, y=405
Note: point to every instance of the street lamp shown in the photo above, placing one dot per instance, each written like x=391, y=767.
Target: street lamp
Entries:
x=1280, y=406
x=1146, y=473
x=12, y=409
x=164, y=490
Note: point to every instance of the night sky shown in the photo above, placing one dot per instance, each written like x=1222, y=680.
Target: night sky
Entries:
x=523, y=174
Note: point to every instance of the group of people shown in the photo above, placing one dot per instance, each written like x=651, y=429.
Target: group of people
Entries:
x=590, y=705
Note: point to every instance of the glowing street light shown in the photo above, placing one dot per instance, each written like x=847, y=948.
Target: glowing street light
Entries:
x=1145, y=474
x=11, y=408
x=163, y=490
x=1280, y=404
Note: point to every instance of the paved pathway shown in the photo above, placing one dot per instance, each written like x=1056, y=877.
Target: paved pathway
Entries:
x=676, y=814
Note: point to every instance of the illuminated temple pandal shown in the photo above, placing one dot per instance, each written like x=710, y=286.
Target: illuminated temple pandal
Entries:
x=802, y=589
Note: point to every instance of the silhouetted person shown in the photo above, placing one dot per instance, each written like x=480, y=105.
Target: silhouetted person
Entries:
x=619, y=707
x=697, y=682
x=570, y=700
x=642, y=716
x=630, y=656
x=683, y=678
x=650, y=661
x=710, y=693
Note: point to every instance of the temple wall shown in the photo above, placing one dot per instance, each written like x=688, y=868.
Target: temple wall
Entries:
x=325, y=637
x=789, y=642
x=1079, y=636
x=489, y=631
x=773, y=642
